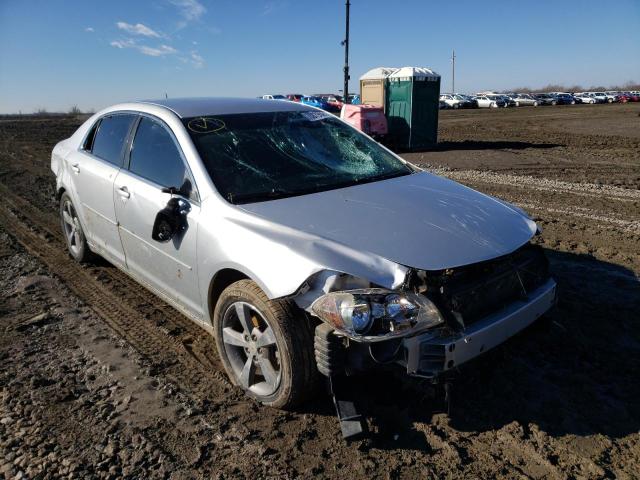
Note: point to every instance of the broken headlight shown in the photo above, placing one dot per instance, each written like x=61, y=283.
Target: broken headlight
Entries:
x=376, y=314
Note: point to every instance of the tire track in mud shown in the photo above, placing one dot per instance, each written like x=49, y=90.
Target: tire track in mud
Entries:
x=541, y=184
x=618, y=198
x=146, y=323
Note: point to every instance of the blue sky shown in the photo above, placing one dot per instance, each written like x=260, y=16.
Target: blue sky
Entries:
x=58, y=53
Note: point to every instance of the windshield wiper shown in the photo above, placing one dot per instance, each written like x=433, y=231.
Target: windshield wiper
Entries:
x=383, y=176
x=272, y=194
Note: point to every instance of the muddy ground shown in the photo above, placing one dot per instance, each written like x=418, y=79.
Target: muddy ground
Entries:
x=100, y=379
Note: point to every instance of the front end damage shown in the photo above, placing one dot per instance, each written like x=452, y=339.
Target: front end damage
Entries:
x=436, y=321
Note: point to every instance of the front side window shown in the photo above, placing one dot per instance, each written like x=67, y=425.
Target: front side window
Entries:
x=111, y=136
x=155, y=156
x=260, y=156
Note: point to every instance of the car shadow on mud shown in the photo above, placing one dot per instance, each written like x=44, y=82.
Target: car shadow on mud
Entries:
x=572, y=372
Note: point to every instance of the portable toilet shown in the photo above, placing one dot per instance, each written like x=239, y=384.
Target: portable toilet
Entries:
x=412, y=100
x=373, y=86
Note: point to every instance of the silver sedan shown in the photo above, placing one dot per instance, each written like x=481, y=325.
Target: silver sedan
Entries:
x=300, y=244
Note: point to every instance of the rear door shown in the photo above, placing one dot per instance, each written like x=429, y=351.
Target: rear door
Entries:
x=155, y=162
x=93, y=171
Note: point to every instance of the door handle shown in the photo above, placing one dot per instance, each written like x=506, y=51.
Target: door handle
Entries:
x=124, y=192
x=75, y=168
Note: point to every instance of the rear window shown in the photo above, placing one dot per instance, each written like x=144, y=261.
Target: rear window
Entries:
x=110, y=137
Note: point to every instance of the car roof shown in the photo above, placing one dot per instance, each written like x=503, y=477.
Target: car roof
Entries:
x=194, y=107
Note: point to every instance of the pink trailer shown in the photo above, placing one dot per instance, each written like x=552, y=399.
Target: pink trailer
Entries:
x=369, y=119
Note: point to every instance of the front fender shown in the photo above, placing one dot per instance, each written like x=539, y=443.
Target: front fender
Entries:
x=281, y=259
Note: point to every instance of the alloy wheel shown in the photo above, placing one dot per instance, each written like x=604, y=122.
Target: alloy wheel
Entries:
x=251, y=347
x=72, y=229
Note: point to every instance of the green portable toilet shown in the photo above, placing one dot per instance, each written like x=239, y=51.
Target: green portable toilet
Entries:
x=412, y=100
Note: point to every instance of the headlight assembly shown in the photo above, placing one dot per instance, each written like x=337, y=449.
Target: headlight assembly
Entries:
x=376, y=314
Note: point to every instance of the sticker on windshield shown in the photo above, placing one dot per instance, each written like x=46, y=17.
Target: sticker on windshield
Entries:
x=206, y=125
x=315, y=116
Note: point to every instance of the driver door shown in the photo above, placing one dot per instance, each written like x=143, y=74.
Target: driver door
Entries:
x=155, y=162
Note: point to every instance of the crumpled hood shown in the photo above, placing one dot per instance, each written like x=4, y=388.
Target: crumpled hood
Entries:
x=419, y=220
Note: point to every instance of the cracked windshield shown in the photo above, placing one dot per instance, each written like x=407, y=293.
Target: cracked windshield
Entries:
x=261, y=156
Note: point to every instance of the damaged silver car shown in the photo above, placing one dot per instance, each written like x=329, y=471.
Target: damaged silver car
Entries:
x=302, y=245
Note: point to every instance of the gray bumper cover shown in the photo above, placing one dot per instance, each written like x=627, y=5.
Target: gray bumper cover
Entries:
x=429, y=354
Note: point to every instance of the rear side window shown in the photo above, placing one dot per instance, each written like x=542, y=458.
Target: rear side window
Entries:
x=110, y=138
x=88, y=142
x=155, y=156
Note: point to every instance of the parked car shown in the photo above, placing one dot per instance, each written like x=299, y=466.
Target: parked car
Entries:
x=632, y=96
x=471, y=99
x=456, y=100
x=584, y=98
x=274, y=227
x=522, y=99
x=546, y=99
x=610, y=97
x=451, y=100
x=502, y=100
x=565, y=99
x=273, y=97
x=315, y=102
x=294, y=97
x=335, y=102
x=485, y=101
x=354, y=99
x=599, y=97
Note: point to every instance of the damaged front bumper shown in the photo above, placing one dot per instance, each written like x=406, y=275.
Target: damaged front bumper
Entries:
x=430, y=354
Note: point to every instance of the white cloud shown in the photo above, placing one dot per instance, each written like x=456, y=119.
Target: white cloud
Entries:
x=138, y=29
x=196, y=59
x=124, y=43
x=159, y=51
x=89, y=29
x=189, y=9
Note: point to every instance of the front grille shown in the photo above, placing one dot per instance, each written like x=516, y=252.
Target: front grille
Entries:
x=472, y=292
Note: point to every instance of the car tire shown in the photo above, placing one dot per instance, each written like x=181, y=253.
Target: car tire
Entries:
x=278, y=368
x=553, y=102
x=535, y=104
x=573, y=102
x=73, y=232
x=456, y=106
x=609, y=100
x=517, y=104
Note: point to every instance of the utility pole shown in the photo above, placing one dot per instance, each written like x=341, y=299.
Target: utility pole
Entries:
x=346, y=57
x=453, y=71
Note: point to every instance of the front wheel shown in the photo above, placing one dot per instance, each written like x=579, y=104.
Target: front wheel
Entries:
x=609, y=100
x=73, y=233
x=554, y=103
x=266, y=346
x=535, y=104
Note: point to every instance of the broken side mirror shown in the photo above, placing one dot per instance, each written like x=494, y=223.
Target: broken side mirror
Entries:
x=171, y=220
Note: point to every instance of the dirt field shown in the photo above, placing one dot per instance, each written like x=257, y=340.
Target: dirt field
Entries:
x=101, y=379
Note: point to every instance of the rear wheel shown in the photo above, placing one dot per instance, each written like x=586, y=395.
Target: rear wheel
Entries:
x=73, y=233
x=265, y=346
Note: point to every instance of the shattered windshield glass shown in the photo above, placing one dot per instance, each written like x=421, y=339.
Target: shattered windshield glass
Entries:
x=255, y=157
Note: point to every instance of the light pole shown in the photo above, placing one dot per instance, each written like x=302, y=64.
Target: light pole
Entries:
x=453, y=71
x=345, y=42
